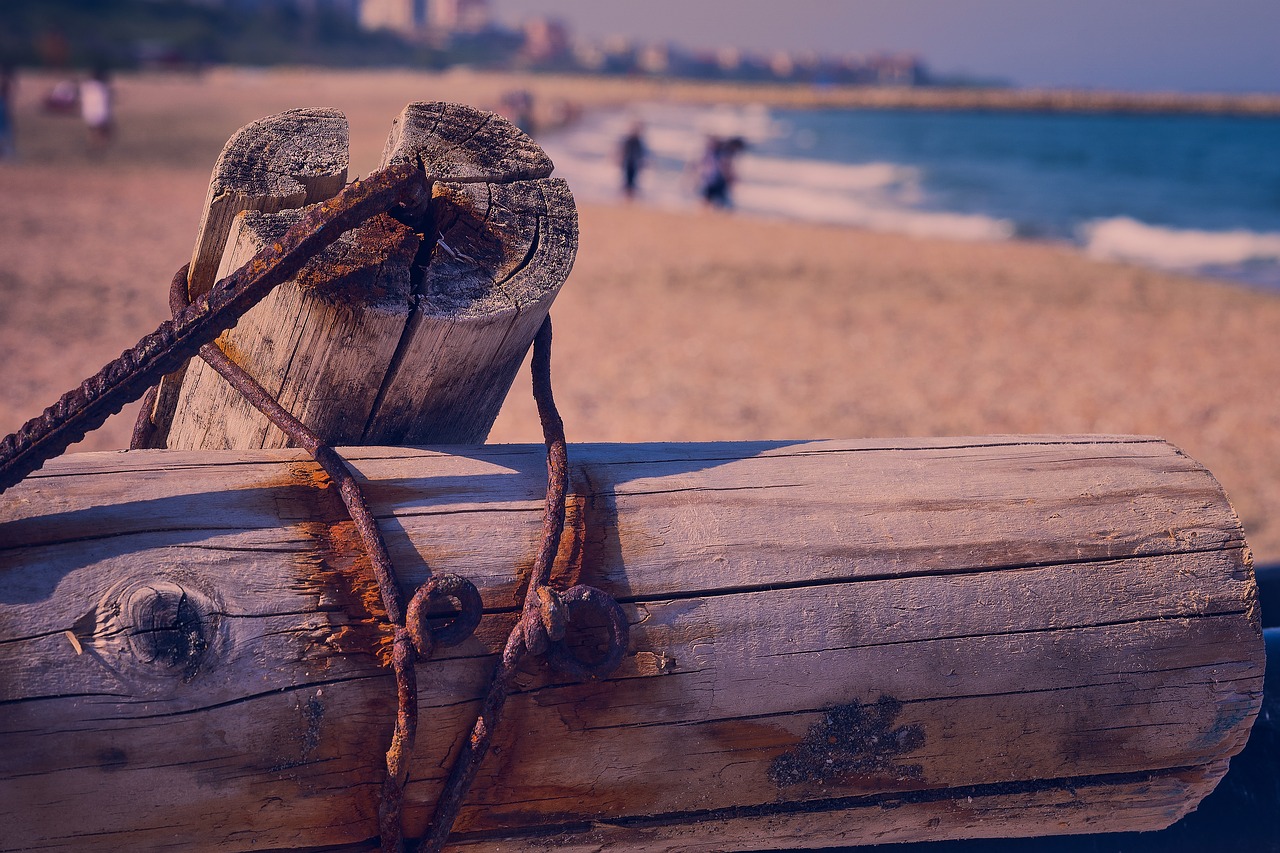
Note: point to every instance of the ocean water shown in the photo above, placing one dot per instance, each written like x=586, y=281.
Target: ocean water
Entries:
x=1191, y=193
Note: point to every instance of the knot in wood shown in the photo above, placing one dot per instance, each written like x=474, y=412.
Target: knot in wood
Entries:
x=168, y=627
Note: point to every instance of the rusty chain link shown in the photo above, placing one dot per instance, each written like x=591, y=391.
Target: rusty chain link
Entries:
x=547, y=613
x=545, y=617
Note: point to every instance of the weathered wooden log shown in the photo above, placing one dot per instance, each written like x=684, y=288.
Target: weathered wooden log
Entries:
x=400, y=334
x=832, y=643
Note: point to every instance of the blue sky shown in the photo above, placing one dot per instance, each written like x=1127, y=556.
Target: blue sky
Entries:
x=1189, y=45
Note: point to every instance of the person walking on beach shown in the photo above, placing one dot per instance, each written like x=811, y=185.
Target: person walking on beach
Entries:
x=632, y=155
x=96, y=108
x=717, y=170
x=8, y=90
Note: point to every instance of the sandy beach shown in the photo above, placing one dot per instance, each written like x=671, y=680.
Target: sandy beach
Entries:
x=674, y=326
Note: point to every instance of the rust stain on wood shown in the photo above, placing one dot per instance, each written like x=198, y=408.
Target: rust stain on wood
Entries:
x=853, y=745
x=347, y=273
x=749, y=735
x=568, y=569
x=648, y=663
x=233, y=352
x=338, y=568
x=335, y=566
x=468, y=226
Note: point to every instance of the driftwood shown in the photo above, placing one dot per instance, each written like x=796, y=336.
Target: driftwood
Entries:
x=832, y=643
x=399, y=333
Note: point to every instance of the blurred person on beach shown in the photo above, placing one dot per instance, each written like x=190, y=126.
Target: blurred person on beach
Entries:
x=717, y=173
x=632, y=153
x=96, y=108
x=517, y=107
x=8, y=90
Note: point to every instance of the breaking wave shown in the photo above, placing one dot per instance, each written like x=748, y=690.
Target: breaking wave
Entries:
x=1124, y=239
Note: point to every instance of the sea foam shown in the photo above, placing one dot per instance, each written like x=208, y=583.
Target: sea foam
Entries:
x=879, y=196
x=777, y=178
x=1122, y=238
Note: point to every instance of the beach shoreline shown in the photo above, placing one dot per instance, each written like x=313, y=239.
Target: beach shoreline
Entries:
x=674, y=326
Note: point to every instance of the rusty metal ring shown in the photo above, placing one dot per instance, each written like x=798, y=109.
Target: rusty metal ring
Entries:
x=580, y=600
x=462, y=625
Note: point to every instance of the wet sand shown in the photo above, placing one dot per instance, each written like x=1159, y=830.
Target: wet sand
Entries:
x=674, y=326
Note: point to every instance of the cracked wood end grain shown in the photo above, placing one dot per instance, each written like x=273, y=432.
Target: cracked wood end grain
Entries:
x=400, y=334
x=276, y=163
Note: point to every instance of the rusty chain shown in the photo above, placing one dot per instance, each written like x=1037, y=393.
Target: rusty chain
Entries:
x=543, y=625
x=545, y=617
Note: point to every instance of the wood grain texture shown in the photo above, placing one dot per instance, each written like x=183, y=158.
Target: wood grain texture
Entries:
x=457, y=143
x=832, y=643
x=416, y=335
x=480, y=304
x=280, y=162
x=507, y=236
x=321, y=343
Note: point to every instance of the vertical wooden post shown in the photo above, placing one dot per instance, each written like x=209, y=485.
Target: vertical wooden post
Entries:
x=280, y=162
x=506, y=239
x=402, y=334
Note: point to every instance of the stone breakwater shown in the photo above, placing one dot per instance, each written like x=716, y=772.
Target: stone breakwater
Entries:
x=927, y=98
x=592, y=91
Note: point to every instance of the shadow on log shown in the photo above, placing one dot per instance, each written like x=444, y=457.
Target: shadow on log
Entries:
x=833, y=643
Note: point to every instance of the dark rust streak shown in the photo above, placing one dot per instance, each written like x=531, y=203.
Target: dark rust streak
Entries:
x=128, y=377
x=338, y=571
x=852, y=744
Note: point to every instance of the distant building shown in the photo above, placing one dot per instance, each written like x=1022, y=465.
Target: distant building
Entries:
x=416, y=17
x=654, y=59
x=546, y=42
x=782, y=65
x=458, y=16
x=899, y=70
x=407, y=17
x=728, y=59
x=465, y=31
x=589, y=56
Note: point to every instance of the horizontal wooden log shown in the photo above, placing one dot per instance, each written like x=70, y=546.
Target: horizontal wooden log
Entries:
x=832, y=643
